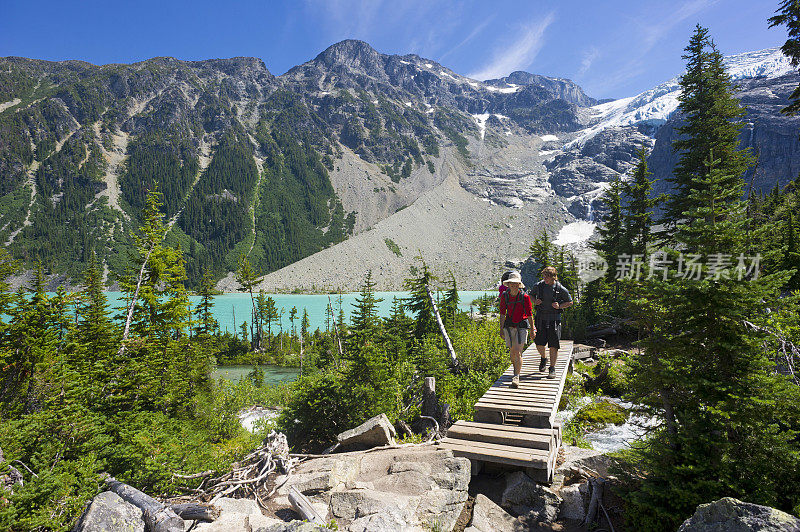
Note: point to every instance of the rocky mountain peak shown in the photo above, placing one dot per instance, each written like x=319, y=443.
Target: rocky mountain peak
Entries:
x=352, y=54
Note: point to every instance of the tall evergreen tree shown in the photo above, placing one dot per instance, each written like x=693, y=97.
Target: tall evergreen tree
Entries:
x=638, y=215
x=789, y=16
x=206, y=324
x=727, y=415
x=711, y=125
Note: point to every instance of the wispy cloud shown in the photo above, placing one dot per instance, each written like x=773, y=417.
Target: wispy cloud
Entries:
x=519, y=54
x=588, y=58
x=474, y=33
x=653, y=33
x=650, y=35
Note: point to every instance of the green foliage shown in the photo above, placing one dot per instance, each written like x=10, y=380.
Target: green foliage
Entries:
x=394, y=248
x=706, y=368
x=601, y=413
x=788, y=14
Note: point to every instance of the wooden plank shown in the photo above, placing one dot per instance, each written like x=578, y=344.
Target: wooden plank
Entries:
x=501, y=454
x=531, y=457
x=499, y=436
x=514, y=410
x=516, y=402
x=523, y=392
x=509, y=428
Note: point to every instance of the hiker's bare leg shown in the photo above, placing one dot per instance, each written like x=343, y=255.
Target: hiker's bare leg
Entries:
x=553, y=355
x=541, y=349
x=516, y=358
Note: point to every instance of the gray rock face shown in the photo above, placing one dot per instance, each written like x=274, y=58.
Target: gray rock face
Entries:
x=108, y=511
x=407, y=488
x=774, y=137
x=237, y=514
x=529, y=499
x=733, y=515
x=489, y=517
x=575, y=500
x=372, y=433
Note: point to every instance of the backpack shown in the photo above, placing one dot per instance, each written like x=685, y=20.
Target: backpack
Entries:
x=558, y=293
x=521, y=299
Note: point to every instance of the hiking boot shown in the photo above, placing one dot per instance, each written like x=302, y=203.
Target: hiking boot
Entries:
x=515, y=381
x=552, y=373
x=543, y=364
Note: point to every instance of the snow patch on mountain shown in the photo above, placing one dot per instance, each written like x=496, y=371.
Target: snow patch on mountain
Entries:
x=548, y=138
x=511, y=88
x=481, y=121
x=579, y=231
x=654, y=107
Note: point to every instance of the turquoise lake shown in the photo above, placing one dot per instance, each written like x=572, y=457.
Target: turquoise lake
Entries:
x=230, y=308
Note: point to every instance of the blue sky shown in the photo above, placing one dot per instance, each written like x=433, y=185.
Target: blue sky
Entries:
x=612, y=48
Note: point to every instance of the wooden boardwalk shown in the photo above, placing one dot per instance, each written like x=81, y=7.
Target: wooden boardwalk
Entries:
x=516, y=426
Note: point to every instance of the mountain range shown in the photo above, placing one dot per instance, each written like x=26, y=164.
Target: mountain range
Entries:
x=353, y=161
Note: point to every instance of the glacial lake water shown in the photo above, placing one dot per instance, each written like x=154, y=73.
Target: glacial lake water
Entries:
x=272, y=374
x=230, y=310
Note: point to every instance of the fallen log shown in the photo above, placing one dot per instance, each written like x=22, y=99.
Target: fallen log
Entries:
x=601, y=333
x=157, y=517
x=195, y=512
x=302, y=506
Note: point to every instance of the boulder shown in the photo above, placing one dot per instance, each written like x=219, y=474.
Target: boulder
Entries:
x=575, y=499
x=374, y=432
x=404, y=488
x=108, y=511
x=236, y=514
x=733, y=515
x=292, y=526
x=525, y=497
x=489, y=517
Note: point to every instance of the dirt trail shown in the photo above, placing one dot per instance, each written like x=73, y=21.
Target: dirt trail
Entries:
x=6, y=105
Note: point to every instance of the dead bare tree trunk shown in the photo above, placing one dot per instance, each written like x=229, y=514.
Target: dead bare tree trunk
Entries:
x=448, y=343
x=132, y=304
x=159, y=518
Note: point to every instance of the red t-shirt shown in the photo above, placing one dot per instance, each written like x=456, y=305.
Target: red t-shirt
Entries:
x=520, y=307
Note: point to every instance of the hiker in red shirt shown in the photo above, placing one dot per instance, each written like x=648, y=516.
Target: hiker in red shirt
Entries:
x=516, y=317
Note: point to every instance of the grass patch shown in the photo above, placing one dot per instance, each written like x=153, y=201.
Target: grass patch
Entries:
x=393, y=247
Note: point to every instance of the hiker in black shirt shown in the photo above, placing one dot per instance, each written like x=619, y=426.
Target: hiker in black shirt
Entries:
x=550, y=298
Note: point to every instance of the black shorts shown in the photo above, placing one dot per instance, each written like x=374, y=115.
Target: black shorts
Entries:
x=548, y=333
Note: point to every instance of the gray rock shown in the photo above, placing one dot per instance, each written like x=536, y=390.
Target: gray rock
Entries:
x=292, y=526
x=372, y=433
x=237, y=514
x=732, y=515
x=489, y=517
x=525, y=497
x=108, y=511
x=405, y=488
x=575, y=499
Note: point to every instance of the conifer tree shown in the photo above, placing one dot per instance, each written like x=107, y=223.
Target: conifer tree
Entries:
x=638, y=215
x=365, y=310
x=611, y=243
x=704, y=369
x=206, y=324
x=712, y=122
x=789, y=16
x=418, y=301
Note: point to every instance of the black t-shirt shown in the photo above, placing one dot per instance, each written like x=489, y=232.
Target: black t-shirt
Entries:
x=548, y=294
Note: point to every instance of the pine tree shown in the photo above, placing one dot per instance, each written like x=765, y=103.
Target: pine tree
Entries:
x=611, y=243
x=789, y=16
x=418, y=301
x=712, y=122
x=727, y=415
x=365, y=318
x=638, y=215
x=206, y=324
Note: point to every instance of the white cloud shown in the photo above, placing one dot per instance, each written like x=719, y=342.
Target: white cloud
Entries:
x=653, y=33
x=588, y=58
x=519, y=54
x=474, y=33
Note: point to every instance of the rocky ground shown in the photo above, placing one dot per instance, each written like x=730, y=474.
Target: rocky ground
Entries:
x=453, y=229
